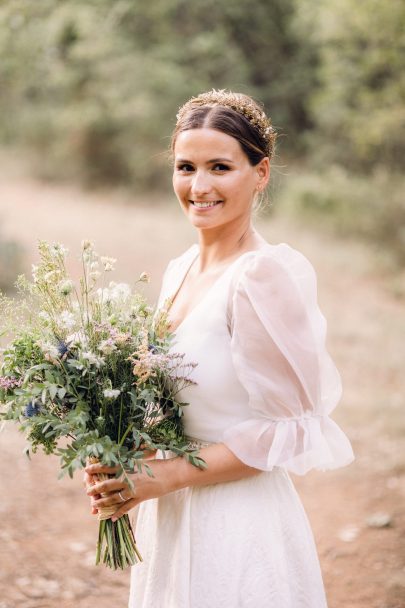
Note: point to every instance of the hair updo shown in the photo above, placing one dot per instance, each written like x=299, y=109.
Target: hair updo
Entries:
x=234, y=114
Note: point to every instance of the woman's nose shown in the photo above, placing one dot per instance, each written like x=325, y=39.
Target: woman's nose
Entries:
x=200, y=184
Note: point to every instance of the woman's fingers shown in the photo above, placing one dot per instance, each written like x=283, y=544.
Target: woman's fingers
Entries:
x=114, y=499
x=107, y=486
x=88, y=480
x=95, y=469
x=125, y=508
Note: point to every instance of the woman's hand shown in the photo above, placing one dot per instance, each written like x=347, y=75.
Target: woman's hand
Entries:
x=88, y=482
x=169, y=475
x=117, y=492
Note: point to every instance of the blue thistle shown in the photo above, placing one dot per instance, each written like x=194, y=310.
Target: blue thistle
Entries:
x=31, y=409
x=62, y=348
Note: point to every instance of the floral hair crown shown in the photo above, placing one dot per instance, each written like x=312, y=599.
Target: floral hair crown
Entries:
x=239, y=103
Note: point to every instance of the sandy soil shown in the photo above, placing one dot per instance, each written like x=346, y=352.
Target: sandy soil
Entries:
x=47, y=533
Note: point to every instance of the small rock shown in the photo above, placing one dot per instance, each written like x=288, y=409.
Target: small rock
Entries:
x=348, y=534
x=89, y=559
x=74, y=589
x=38, y=587
x=379, y=520
x=78, y=547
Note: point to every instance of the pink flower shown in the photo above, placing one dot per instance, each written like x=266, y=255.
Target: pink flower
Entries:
x=9, y=382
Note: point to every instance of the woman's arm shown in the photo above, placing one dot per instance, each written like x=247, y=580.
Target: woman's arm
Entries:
x=168, y=476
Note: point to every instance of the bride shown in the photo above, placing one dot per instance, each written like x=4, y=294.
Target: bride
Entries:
x=235, y=535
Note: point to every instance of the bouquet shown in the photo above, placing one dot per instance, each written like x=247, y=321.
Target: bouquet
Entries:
x=89, y=375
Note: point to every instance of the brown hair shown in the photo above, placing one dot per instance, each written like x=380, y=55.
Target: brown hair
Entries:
x=254, y=141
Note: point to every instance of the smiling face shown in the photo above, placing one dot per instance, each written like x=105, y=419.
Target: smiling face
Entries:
x=213, y=178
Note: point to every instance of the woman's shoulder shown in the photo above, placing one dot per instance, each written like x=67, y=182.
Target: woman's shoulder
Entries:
x=271, y=260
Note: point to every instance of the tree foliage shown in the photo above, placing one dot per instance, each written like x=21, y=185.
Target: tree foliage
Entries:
x=94, y=86
x=358, y=106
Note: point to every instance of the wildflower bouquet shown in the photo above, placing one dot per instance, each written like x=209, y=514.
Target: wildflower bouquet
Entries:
x=91, y=365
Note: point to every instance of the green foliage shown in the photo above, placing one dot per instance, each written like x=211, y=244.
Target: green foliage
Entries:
x=372, y=207
x=358, y=107
x=92, y=365
x=94, y=87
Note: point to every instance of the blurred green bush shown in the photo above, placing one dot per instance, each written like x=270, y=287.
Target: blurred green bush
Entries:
x=94, y=87
x=91, y=89
x=372, y=207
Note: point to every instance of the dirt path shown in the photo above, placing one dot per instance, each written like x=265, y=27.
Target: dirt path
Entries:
x=47, y=534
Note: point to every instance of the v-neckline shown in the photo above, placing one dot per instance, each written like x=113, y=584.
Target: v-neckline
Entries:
x=208, y=291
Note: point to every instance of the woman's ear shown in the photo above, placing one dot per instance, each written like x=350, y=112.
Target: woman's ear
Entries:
x=263, y=173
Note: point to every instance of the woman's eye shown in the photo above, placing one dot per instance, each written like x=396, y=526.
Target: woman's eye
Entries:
x=185, y=167
x=220, y=167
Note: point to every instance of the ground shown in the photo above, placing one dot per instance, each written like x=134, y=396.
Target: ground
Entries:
x=47, y=533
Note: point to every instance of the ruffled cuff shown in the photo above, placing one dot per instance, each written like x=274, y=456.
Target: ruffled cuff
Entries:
x=296, y=444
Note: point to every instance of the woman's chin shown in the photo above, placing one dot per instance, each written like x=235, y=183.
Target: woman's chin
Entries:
x=203, y=218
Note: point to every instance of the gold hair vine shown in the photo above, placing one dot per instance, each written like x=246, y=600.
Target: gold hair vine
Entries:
x=239, y=103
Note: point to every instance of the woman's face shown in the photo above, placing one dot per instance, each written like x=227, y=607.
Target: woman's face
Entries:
x=213, y=179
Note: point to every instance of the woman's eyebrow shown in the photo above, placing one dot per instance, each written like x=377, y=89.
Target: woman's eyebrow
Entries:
x=211, y=161
x=220, y=160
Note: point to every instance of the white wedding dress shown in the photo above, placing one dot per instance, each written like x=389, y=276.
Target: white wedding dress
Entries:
x=265, y=386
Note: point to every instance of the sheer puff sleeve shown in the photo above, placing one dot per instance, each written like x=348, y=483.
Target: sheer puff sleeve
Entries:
x=279, y=354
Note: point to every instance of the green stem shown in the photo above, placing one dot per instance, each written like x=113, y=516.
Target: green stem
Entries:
x=125, y=435
x=120, y=420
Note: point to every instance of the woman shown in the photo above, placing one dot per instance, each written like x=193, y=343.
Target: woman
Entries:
x=235, y=535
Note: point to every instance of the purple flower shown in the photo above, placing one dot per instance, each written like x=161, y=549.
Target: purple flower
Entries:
x=31, y=409
x=9, y=382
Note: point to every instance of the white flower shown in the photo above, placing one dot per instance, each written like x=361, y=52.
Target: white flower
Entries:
x=93, y=359
x=34, y=271
x=44, y=316
x=111, y=393
x=108, y=263
x=86, y=244
x=96, y=274
x=107, y=347
x=65, y=287
x=49, y=349
x=78, y=339
x=114, y=292
x=144, y=277
x=66, y=320
x=58, y=249
x=120, y=291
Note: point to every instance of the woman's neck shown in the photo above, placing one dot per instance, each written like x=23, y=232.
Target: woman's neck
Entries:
x=219, y=247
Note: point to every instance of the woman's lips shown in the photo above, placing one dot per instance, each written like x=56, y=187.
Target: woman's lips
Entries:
x=204, y=205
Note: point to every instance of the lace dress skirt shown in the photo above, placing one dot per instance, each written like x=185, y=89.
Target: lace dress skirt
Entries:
x=239, y=544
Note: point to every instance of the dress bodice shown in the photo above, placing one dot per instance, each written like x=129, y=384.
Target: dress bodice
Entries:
x=264, y=382
x=217, y=400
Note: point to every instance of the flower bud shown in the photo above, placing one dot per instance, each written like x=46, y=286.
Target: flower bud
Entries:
x=144, y=277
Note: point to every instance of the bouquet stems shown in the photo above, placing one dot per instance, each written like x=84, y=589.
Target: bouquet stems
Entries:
x=116, y=546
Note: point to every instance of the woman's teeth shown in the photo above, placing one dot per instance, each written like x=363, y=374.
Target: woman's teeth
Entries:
x=205, y=204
